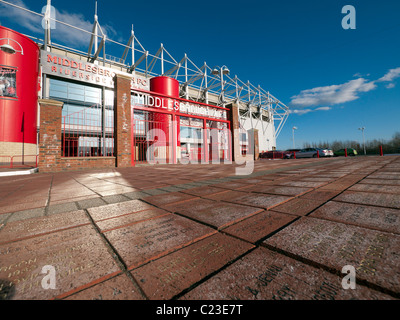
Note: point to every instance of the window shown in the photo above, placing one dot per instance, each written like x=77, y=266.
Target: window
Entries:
x=88, y=121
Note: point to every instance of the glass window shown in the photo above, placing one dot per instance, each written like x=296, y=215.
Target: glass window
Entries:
x=87, y=132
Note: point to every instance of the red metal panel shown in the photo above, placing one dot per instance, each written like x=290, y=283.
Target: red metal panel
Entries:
x=18, y=109
x=165, y=85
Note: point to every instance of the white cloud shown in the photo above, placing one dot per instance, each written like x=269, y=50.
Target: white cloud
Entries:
x=28, y=20
x=390, y=75
x=304, y=111
x=62, y=33
x=390, y=85
x=332, y=95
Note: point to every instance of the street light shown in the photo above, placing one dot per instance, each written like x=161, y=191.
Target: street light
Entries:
x=9, y=49
x=221, y=71
x=362, y=129
x=294, y=128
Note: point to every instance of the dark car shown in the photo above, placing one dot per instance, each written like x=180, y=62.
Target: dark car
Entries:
x=350, y=152
x=273, y=154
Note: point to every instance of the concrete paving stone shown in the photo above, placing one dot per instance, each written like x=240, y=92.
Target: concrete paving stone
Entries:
x=168, y=276
x=279, y=190
x=320, y=195
x=148, y=240
x=79, y=258
x=265, y=201
x=118, y=209
x=374, y=199
x=25, y=214
x=373, y=254
x=127, y=219
x=379, y=218
x=266, y=275
x=154, y=192
x=390, y=182
x=172, y=189
x=61, y=208
x=259, y=226
x=300, y=183
x=73, y=199
x=336, y=186
x=117, y=288
x=231, y=185
x=168, y=198
x=204, y=191
x=135, y=195
x=378, y=188
x=299, y=206
x=216, y=214
x=384, y=176
x=90, y=203
x=116, y=198
x=18, y=230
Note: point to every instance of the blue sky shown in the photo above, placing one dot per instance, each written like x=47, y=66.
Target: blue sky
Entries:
x=333, y=80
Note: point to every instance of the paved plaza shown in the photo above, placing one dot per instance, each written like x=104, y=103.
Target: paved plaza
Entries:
x=201, y=232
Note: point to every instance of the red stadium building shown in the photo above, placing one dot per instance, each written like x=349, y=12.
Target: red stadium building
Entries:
x=63, y=109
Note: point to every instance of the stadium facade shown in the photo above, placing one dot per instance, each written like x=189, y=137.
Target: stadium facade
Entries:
x=64, y=109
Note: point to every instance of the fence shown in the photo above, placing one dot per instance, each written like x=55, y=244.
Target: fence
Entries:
x=88, y=133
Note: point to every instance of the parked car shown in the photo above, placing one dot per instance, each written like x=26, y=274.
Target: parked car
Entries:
x=350, y=152
x=273, y=154
x=309, y=153
x=325, y=152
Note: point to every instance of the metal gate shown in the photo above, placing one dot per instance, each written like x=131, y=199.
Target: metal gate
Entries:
x=151, y=137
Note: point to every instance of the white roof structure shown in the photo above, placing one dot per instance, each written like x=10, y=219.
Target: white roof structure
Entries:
x=198, y=83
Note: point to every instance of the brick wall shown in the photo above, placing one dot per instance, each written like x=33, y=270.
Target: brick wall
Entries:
x=122, y=121
x=50, y=135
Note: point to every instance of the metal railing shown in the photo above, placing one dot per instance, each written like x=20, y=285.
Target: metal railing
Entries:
x=19, y=161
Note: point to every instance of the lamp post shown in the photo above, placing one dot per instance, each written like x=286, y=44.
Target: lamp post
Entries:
x=221, y=71
x=294, y=128
x=362, y=130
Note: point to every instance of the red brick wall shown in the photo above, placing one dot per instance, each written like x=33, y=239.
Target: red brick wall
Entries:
x=50, y=136
x=122, y=121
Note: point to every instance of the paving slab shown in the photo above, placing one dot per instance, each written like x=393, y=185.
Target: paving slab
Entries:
x=376, y=188
x=299, y=206
x=168, y=276
x=18, y=230
x=22, y=263
x=373, y=254
x=379, y=218
x=374, y=199
x=266, y=275
x=279, y=190
x=204, y=191
x=118, y=209
x=381, y=181
x=259, y=226
x=168, y=198
x=320, y=195
x=128, y=219
x=148, y=240
x=118, y=288
x=216, y=214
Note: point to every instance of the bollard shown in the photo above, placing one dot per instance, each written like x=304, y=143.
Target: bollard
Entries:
x=345, y=152
x=317, y=153
x=294, y=154
x=381, y=151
